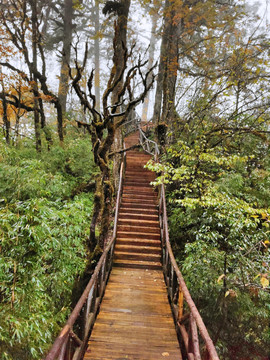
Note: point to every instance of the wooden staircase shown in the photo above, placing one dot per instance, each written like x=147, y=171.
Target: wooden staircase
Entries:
x=138, y=232
x=135, y=320
x=132, y=306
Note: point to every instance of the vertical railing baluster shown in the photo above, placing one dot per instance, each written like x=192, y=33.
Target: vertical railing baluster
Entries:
x=180, y=304
x=62, y=355
x=195, y=338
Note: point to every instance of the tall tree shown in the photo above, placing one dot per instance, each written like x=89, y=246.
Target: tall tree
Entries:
x=66, y=52
x=154, y=17
x=33, y=72
x=121, y=9
x=97, y=53
x=168, y=63
x=103, y=126
x=6, y=124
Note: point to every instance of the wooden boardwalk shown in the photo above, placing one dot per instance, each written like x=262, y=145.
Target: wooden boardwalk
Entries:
x=135, y=320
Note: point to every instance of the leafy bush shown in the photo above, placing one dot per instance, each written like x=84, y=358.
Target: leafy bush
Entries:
x=218, y=205
x=24, y=174
x=43, y=233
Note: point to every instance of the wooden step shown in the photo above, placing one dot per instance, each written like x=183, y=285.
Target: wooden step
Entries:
x=144, y=194
x=139, y=183
x=137, y=215
x=139, y=198
x=138, y=222
x=146, y=203
x=137, y=248
x=138, y=264
x=137, y=235
x=136, y=256
x=138, y=153
x=141, y=189
x=138, y=210
x=139, y=161
x=133, y=205
x=138, y=242
x=143, y=229
x=140, y=179
x=142, y=173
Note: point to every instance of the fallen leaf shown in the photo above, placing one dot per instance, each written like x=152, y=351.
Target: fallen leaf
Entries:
x=165, y=354
x=231, y=292
x=220, y=278
x=264, y=281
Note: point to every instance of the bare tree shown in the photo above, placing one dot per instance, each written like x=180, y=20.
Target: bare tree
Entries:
x=121, y=9
x=103, y=127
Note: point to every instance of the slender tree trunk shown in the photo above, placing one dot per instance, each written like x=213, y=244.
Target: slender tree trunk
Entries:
x=164, y=109
x=118, y=61
x=34, y=70
x=150, y=63
x=5, y=114
x=64, y=74
x=45, y=129
x=97, y=56
x=171, y=66
x=161, y=67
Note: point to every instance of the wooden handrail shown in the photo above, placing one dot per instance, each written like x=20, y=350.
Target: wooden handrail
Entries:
x=131, y=125
x=69, y=344
x=148, y=145
x=168, y=254
x=176, y=286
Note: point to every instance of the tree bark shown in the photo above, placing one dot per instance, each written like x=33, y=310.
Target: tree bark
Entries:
x=164, y=108
x=97, y=56
x=5, y=114
x=66, y=51
x=120, y=41
x=150, y=63
x=171, y=65
x=33, y=74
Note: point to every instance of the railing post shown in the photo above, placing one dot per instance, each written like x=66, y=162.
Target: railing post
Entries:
x=195, y=338
x=180, y=304
x=62, y=355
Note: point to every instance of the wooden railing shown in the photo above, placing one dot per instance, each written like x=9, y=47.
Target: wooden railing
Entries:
x=148, y=145
x=189, y=324
x=72, y=340
x=131, y=125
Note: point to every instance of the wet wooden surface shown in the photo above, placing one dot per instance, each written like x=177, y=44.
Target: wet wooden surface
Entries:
x=135, y=320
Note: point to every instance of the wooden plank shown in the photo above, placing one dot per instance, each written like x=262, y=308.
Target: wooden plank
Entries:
x=135, y=320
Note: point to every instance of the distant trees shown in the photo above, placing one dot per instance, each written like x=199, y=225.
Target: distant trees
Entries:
x=22, y=20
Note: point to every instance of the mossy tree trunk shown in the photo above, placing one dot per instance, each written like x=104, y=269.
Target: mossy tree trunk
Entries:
x=102, y=129
x=120, y=41
x=164, y=108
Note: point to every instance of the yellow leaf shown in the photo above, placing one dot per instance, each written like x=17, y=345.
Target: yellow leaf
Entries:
x=165, y=354
x=231, y=292
x=220, y=278
x=264, y=282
